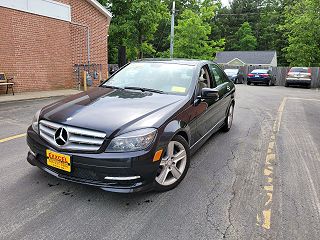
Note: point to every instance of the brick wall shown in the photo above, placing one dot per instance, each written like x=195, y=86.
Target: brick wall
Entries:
x=35, y=50
x=40, y=52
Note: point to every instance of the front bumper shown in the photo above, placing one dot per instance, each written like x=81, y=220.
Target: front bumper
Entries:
x=298, y=81
x=114, y=172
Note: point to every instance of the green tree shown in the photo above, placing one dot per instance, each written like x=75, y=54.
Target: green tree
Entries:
x=192, y=34
x=134, y=25
x=246, y=41
x=302, y=21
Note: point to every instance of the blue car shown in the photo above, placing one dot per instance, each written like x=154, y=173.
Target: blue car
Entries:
x=261, y=76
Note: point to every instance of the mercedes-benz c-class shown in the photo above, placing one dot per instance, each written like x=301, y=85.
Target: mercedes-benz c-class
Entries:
x=138, y=130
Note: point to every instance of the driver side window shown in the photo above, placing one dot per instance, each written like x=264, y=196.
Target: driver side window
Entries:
x=204, y=80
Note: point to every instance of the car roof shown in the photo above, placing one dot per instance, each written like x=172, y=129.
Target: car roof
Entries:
x=190, y=62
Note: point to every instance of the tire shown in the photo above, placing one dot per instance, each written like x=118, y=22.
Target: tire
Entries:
x=229, y=119
x=269, y=83
x=175, y=163
x=286, y=84
x=248, y=83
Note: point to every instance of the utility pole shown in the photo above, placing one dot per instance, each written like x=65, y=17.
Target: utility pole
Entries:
x=172, y=28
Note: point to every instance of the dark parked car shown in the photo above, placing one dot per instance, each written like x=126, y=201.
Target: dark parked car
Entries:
x=137, y=130
x=235, y=75
x=261, y=76
x=299, y=76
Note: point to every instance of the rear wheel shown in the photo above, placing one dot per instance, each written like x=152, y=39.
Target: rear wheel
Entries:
x=229, y=119
x=286, y=84
x=269, y=83
x=248, y=83
x=174, y=165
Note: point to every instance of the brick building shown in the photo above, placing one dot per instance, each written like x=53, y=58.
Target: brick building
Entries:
x=42, y=42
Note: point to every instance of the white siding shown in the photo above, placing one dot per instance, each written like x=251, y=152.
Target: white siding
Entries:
x=47, y=8
x=274, y=62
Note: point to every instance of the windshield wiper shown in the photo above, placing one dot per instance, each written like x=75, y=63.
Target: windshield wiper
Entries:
x=145, y=89
x=112, y=87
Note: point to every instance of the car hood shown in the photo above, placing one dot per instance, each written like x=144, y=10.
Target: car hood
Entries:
x=111, y=111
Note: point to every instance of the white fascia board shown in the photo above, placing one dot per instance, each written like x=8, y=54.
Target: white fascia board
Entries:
x=101, y=8
x=46, y=8
x=236, y=59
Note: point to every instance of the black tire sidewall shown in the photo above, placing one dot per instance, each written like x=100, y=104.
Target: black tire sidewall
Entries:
x=160, y=188
x=225, y=127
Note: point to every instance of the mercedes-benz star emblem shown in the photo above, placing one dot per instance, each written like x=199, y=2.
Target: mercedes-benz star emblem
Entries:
x=61, y=136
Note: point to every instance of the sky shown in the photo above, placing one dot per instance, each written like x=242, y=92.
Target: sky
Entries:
x=225, y=2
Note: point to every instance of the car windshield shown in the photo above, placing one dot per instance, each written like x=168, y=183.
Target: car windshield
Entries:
x=260, y=71
x=168, y=78
x=299, y=70
x=231, y=71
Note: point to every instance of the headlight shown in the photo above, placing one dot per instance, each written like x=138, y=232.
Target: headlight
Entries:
x=35, y=122
x=133, y=141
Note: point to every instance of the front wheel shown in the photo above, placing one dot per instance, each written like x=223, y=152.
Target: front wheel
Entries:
x=174, y=165
x=229, y=119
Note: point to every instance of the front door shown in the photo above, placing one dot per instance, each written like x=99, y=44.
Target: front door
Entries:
x=225, y=88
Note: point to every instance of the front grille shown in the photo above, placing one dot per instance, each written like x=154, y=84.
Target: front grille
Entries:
x=79, y=139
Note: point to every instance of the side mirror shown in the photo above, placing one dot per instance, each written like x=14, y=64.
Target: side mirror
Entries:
x=209, y=93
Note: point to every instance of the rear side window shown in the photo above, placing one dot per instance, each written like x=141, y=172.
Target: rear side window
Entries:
x=300, y=70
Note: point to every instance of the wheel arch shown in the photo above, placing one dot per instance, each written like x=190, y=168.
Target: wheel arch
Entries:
x=175, y=128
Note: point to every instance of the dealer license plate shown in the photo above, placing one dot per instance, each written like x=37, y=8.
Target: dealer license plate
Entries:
x=59, y=161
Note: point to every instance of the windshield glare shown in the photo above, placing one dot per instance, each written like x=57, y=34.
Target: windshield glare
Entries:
x=260, y=71
x=299, y=70
x=231, y=71
x=167, y=77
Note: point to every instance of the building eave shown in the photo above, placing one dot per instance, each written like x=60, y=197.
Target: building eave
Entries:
x=100, y=8
x=235, y=59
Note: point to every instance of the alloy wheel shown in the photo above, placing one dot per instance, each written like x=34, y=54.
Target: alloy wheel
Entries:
x=172, y=165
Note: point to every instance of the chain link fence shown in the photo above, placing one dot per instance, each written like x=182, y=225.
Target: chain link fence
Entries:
x=83, y=68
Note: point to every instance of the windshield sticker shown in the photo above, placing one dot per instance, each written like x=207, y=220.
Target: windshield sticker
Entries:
x=178, y=89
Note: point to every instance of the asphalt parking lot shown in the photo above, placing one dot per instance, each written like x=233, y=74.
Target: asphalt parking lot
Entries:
x=259, y=181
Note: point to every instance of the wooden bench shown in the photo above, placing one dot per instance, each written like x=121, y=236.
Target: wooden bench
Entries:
x=4, y=81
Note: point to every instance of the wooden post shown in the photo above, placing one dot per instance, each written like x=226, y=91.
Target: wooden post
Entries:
x=84, y=80
x=100, y=77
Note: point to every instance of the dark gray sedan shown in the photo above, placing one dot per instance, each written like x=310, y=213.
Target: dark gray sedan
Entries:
x=138, y=129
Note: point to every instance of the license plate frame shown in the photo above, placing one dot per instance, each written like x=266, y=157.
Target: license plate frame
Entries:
x=58, y=160
x=257, y=76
